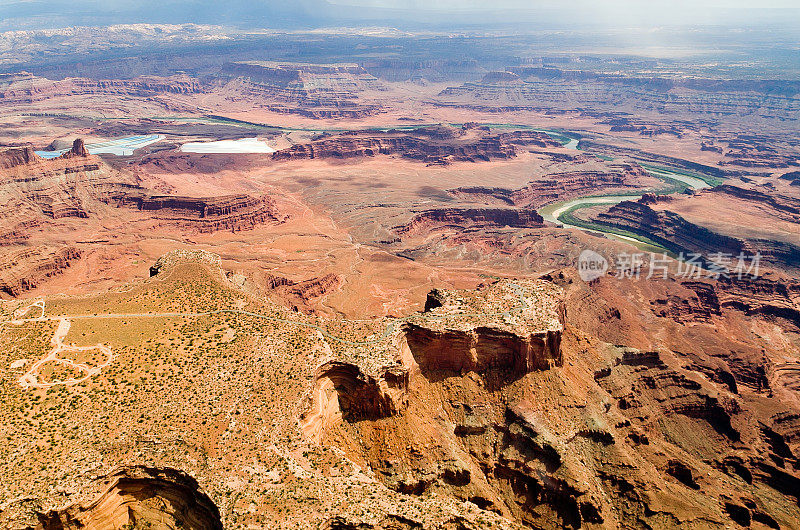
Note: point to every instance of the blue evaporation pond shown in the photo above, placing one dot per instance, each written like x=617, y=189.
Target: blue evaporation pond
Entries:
x=120, y=146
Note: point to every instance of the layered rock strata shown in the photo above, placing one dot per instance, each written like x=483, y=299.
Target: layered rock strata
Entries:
x=206, y=214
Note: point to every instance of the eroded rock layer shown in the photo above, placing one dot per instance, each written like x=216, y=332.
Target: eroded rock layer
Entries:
x=25, y=268
x=140, y=497
x=557, y=186
x=555, y=429
x=471, y=217
x=681, y=236
x=206, y=214
x=418, y=145
x=302, y=295
x=78, y=185
x=18, y=157
x=26, y=88
x=343, y=392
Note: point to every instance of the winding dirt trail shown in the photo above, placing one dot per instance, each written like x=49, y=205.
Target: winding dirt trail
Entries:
x=31, y=378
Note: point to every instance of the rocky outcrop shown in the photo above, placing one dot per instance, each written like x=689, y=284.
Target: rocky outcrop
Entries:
x=78, y=150
x=312, y=288
x=652, y=198
x=484, y=194
x=315, y=287
x=56, y=188
x=140, y=497
x=461, y=218
x=563, y=186
x=321, y=91
x=77, y=185
x=71, y=187
x=449, y=436
x=405, y=146
x=450, y=338
x=25, y=268
x=302, y=295
x=286, y=74
x=501, y=77
x=166, y=263
x=482, y=349
x=529, y=138
x=501, y=332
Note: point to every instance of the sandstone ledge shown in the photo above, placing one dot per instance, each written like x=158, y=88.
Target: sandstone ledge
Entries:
x=509, y=328
x=139, y=496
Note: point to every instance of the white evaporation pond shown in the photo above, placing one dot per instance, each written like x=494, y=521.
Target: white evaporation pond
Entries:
x=244, y=145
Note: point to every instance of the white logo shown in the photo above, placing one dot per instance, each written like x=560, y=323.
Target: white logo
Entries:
x=591, y=265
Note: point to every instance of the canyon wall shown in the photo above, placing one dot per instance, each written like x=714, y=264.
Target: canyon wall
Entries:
x=78, y=185
x=416, y=146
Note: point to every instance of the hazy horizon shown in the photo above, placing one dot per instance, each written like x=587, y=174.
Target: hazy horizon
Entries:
x=411, y=14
